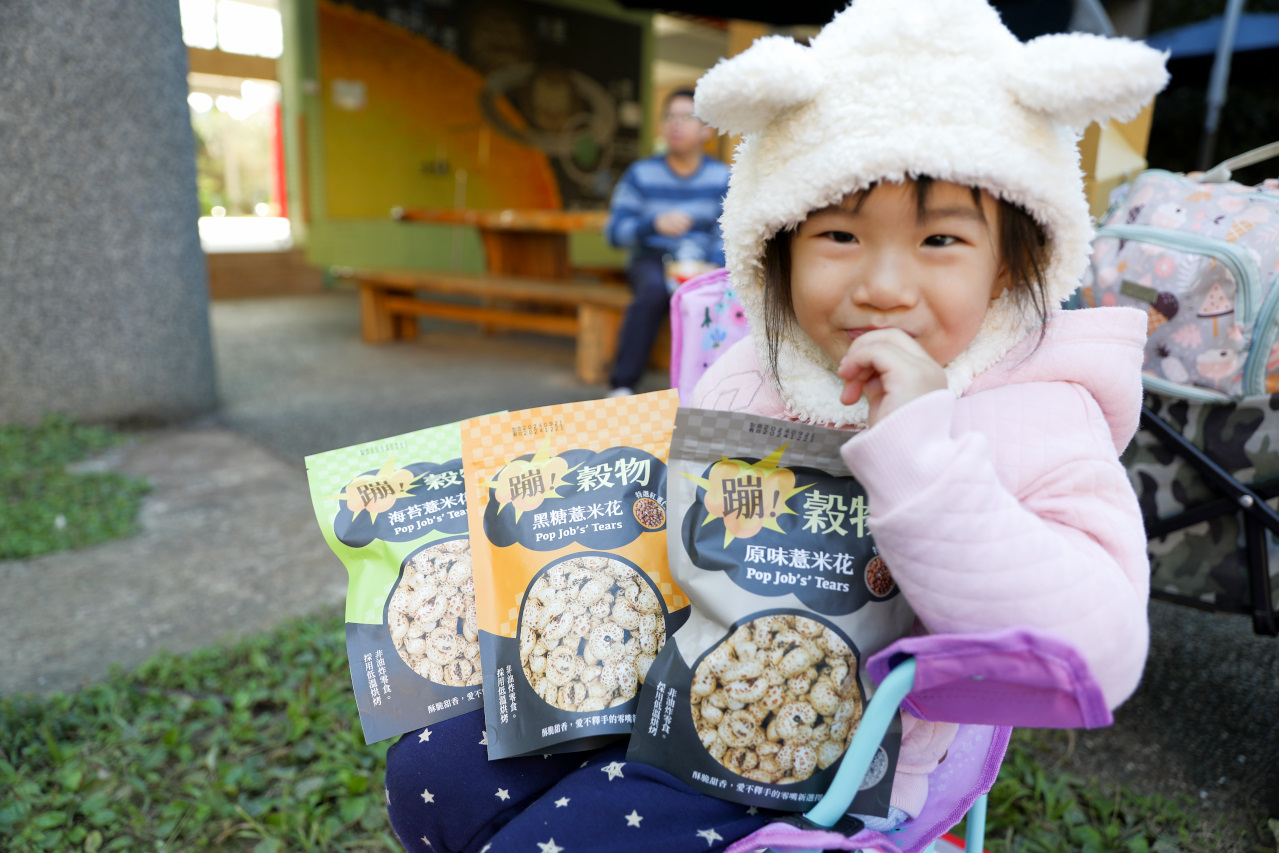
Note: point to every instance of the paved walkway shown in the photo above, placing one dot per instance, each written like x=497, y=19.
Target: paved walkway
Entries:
x=230, y=544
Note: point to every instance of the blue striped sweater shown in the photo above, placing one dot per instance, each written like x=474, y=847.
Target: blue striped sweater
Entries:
x=649, y=187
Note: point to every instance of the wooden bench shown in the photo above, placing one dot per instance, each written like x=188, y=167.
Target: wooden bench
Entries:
x=392, y=300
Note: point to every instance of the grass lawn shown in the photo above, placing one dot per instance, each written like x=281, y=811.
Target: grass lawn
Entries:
x=47, y=508
x=1035, y=807
x=257, y=747
x=253, y=747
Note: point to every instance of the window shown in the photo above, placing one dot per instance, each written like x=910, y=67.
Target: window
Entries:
x=236, y=26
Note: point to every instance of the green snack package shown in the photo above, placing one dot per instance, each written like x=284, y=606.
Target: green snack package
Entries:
x=394, y=512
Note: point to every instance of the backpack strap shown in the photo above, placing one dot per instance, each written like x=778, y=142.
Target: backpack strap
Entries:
x=1220, y=173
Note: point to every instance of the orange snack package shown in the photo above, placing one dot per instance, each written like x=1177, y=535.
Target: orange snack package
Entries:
x=567, y=514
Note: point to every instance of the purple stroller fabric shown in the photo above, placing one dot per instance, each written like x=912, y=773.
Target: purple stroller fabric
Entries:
x=987, y=682
x=1013, y=677
x=970, y=768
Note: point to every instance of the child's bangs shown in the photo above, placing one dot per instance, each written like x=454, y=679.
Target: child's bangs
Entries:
x=923, y=184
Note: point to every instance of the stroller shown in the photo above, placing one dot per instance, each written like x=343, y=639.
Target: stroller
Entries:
x=1200, y=254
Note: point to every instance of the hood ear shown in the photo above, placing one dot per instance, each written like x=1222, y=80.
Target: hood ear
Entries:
x=1079, y=78
x=744, y=94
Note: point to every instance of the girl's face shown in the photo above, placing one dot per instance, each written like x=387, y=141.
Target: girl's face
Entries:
x=884, y=263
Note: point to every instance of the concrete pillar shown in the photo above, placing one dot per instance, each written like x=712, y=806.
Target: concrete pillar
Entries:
x=103, y=290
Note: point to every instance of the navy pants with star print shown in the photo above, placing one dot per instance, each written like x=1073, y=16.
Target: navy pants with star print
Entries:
x=445, y=796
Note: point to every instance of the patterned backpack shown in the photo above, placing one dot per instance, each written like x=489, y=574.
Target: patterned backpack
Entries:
x=1200, y=255
x=706, y=319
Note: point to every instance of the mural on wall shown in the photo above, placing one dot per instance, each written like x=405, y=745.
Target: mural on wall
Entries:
x=485, y=79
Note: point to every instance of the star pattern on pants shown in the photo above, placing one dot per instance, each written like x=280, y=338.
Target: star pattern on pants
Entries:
x=634, y=818
x=503, y=794
x=550, y=846
x=710, y=835
x=613, y=770
x=428, y=797
x=561, y=802
x=424, y=736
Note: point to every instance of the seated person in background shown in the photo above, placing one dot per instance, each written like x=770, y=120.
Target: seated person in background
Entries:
x=665, y=206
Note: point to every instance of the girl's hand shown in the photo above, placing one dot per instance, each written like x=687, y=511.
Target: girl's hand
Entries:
x=891, y=369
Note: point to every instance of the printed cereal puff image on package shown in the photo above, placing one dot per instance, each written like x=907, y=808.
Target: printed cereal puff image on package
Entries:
x=431, y=614
x=574, y=596
x=777, y=698
x=590, y=627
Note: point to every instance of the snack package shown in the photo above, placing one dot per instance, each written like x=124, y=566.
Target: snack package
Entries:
x=757, y=695
x=394, y=512
x=568, y=520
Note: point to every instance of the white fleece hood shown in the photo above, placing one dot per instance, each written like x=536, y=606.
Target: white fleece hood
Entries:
x=894, y=89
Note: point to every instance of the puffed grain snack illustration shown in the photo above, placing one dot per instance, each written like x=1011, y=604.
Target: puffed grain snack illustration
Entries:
x=590, y=627
x=777, y=699
x=432, y=615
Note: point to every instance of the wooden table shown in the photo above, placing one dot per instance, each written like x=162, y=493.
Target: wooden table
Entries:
x=518, y=242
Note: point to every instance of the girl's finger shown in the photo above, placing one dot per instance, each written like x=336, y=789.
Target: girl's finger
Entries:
x=861, y=366
x=856, y=376
x=871, y=357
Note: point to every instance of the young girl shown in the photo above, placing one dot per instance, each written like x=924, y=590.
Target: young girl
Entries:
x=905, y=214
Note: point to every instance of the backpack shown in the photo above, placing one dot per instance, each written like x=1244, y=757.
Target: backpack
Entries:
x=1200, y=255
x=706, y=319
x=1201, y=258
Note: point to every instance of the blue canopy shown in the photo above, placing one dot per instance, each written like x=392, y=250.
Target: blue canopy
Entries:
x=1256, y=32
